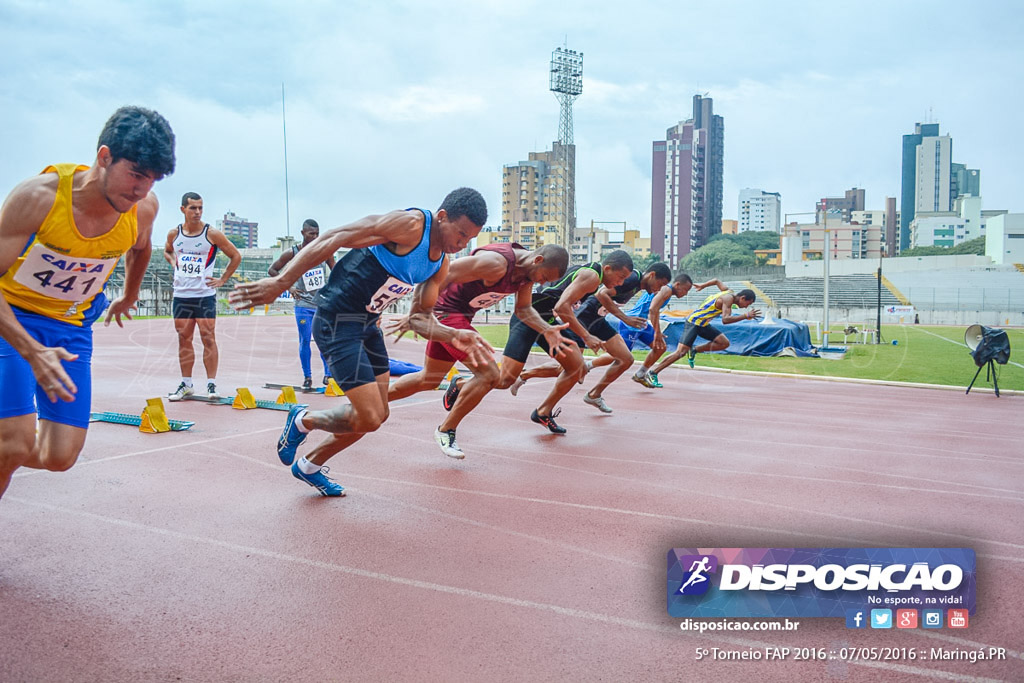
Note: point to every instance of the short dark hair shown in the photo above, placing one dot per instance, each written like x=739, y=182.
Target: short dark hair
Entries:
x=194, y=196
x=555, y=255
x=747, y=294
x=660, y=270
x=141, y=136
x=465, y=201
x=311, y=223
x=683, y=279
x=618, y=259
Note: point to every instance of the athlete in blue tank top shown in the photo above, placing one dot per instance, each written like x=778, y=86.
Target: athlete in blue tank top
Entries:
x=391, y=255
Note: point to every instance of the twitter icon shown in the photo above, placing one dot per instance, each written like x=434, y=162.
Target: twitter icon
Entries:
x=881, y=618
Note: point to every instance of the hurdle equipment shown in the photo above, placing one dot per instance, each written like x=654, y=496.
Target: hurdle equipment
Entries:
x=333, y=389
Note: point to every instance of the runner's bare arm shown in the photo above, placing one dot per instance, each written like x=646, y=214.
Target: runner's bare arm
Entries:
x=422, y=321
x=531, y=318
x=402, y=228
x=726, y=301
x=22, y=213
x=488, y=266
x=604, y=295
x=280, y=263
x=136, y=260
x=586, y=282
x=716, y=282
x=231, y=251
x=654, y=316
x=169, y=247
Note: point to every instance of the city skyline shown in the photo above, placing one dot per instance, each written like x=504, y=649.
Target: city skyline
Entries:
x=379, y=118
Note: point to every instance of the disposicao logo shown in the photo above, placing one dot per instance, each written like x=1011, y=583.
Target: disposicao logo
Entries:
x=817, y=582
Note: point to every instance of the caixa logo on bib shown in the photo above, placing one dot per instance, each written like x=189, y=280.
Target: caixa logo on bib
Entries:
x=816, y=582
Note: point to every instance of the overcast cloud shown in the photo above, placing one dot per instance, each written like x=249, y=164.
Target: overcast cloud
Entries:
x=392, y=104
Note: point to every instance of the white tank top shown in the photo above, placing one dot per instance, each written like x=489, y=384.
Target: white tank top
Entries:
x=194, y=258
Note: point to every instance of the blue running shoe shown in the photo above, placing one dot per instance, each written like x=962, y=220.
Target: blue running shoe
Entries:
x=319, y=481
x=291, y=437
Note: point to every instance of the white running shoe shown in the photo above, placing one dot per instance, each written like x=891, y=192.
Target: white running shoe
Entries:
x=597, y=403
x=211, y=390
x=446, y=440
x=516, y=385
x=181, y=392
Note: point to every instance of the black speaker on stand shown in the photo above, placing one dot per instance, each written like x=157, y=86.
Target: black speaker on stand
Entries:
x=988, y=345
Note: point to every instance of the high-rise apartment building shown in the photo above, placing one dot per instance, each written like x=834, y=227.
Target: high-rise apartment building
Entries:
x=686, y=183
x=246, y=229
x=759, y=210
x=540, y=190
x=931, y=182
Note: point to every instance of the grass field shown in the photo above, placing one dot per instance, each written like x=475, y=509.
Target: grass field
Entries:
x=932, y=355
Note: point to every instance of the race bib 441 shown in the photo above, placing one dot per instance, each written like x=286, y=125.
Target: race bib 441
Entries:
x=70, y=278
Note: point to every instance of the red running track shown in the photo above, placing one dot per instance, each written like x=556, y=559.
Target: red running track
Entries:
x=196, y=556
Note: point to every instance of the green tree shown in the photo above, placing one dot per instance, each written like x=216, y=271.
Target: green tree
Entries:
x=642, y=263
x=759, y=239
x=718, y=254
x=237, y=240
x=975, y=246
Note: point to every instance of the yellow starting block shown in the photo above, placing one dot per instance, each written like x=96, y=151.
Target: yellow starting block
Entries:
x=244, y=399
x=287, y=395
x=446, y=382
x=154, y=419
x=333, y=389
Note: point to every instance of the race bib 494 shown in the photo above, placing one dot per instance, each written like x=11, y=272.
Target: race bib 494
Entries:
x=70, y=278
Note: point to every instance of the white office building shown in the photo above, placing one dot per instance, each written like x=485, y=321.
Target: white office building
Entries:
x=759, y=210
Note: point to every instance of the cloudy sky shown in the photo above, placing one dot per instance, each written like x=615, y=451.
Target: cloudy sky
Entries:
x=393, y=103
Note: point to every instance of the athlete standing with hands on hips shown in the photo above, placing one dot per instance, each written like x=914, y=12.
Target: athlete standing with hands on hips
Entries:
x=191, y=249
x=61, y=234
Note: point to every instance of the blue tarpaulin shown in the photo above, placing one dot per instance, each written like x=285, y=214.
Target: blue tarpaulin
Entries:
x=752, y=337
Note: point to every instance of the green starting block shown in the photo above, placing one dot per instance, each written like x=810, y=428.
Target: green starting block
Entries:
x=136, y=420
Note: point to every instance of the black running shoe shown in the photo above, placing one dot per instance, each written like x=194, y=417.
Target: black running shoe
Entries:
x=307, y=384
x=452, y=393
x=548, y=421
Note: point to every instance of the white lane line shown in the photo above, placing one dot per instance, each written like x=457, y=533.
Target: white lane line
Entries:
x=1003, y=460
x=829, y=480
x=634, y=513
x=953, y=341
x=676, y=489
x=26, y=472
x=464, y=592
x=465, y=520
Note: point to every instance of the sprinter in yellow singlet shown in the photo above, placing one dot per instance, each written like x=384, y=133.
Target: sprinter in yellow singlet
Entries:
x=698, y=323
x=61, y=234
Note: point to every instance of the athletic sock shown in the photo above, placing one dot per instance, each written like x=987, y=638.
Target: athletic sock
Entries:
x=300, y=426
x=641, y=372
x=306, y=467
x=187, y=381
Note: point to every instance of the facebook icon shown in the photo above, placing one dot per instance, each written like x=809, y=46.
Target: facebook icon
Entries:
x=855, y=618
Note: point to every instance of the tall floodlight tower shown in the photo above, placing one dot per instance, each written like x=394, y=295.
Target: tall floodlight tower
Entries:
x=566, y=82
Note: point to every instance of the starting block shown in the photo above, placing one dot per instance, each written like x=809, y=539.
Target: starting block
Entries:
x=333, y=389
x=296, y=387
x=447, y=381
x=153, y=419
x=244, y=399
x=287, y=396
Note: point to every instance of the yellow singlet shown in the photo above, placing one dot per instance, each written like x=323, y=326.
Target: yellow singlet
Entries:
x=60, y=272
